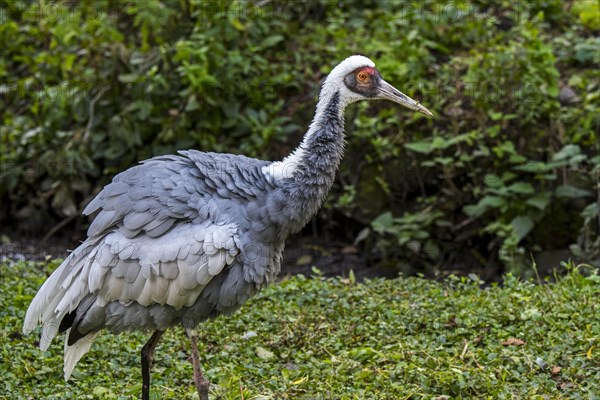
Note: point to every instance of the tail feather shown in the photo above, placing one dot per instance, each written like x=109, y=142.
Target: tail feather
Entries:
x=74, y=353
x=46, y=308
x=47, y=298
x=58, y=296
x=49, y=331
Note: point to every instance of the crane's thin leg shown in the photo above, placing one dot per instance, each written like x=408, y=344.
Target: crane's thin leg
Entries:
x=201, y=382
x=147, y=357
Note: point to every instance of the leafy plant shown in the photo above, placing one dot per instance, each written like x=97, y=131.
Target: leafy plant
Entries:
x=91, y=88
x=310, y=338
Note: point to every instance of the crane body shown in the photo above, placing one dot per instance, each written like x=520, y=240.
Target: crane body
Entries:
x=183, y=238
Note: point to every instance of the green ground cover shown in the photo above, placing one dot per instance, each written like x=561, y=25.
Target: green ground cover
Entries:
x=405, y=338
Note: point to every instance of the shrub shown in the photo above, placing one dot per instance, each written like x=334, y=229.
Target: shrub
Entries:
x=508, y=167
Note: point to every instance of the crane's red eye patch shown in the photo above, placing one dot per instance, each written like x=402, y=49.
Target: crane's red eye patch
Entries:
x=368, y=70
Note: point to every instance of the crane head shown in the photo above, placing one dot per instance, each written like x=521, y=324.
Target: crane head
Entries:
x=357, y=79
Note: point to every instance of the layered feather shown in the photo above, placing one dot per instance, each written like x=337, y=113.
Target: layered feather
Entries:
x=169, y=270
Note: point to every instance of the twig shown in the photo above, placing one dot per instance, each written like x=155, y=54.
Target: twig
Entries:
x=59, y=226
x=464, y=223
x=419, y=177
x=481, y=367
x=90, y=122
x=465, y=348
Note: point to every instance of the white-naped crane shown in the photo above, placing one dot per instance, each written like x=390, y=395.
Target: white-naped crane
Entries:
x=180, y=239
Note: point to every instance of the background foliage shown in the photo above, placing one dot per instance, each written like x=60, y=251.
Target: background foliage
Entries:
x=510, y=165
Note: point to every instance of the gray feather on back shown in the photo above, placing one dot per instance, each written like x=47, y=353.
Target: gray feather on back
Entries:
x=178, y=238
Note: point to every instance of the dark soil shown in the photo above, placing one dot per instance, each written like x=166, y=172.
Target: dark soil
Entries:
x=304, y=254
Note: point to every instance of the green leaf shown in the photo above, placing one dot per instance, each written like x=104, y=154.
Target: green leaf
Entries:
x=552, y=91
x=533, y=167
x=495, y=116
x=100, y=391
x=507, y=176
x=192, y=104
x=567, y=152
x=271, y=41
x=438, y=143
x=484, y=204
x=568, y=191
x=383, y=223
x=492, y=201
x=516, y=159
x=591, y=211
x=237, y=24
x=264, y=353
x=352, y=277
x=589, y=13
x=540, y=200
x=128, y=78
x=493, y=180
x=522, y=225
x=595, y=279
x=444, y=160
x=419, y=147
x=521, y=188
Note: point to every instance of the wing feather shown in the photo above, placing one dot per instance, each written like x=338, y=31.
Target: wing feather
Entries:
x=160, y=234
x=160, y=192
x=121, y=269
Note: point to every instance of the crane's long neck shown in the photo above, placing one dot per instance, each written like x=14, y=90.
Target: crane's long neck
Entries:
x=308, y=173
x=314, y=163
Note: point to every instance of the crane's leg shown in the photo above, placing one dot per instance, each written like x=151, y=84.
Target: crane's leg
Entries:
x=201, y=382
x=147, y=357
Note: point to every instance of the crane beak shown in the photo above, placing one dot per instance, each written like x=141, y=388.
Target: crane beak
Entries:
x=388, y=92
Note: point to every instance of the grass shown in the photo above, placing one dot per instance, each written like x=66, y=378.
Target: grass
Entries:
x=406, y=338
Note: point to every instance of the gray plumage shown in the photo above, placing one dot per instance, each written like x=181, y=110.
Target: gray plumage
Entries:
x=183, y=238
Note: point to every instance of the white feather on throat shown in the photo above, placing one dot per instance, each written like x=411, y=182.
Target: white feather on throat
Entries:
x=334, y=83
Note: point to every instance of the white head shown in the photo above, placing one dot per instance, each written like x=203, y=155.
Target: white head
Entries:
x=356, y=78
